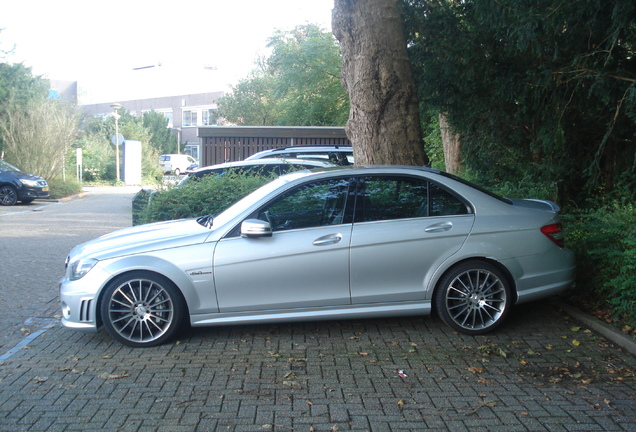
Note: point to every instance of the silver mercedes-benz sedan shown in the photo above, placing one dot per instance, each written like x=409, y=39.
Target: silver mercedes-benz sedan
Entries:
x=355, y=242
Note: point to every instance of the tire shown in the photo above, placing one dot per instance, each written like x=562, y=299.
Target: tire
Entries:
x=8, y=195
x=142, y=309
x=473, y=298
x=177, y=172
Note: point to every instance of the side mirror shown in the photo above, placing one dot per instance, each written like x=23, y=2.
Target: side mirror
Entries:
x=254, y=228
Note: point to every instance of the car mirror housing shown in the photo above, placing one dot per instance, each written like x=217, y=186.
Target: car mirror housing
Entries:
x=253, y=228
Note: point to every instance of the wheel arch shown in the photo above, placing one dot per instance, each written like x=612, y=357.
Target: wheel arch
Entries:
x=100, y=297
x=504, y=270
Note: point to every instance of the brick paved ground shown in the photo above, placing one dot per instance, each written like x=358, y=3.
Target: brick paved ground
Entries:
x=540, y=372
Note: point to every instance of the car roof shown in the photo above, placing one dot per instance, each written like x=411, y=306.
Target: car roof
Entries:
x=317, y=164
x=305, y=149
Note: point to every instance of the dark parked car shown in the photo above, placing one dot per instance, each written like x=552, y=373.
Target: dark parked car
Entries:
x=16, y=185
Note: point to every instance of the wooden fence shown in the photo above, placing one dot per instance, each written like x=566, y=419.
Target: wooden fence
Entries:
x=228, y=144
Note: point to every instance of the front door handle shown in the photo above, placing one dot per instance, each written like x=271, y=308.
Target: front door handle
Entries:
x=328, y=240
x=439, y=227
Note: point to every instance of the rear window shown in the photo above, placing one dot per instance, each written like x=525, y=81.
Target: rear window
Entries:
x=474, y=186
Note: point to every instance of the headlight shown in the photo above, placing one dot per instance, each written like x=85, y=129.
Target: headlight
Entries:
x=81, y=267
x=29, y=183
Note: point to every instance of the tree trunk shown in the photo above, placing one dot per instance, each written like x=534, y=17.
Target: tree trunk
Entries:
x=384, y=120
x=452, y=146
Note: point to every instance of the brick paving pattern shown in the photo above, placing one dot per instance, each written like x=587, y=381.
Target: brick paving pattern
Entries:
x=540, y=372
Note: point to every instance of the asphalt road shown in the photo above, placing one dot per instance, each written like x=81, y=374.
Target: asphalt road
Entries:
x=34, y=242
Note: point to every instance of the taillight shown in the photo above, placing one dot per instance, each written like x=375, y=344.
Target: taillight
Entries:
x=555, y=233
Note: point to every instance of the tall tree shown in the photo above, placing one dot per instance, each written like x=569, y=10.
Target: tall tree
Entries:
x=252, y=102
x=537, y=89
x=37, y=136
x=297, y=85
x=18, y=87
x=384, y=122
x=161, y=137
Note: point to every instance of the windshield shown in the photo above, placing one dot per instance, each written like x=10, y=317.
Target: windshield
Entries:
x=242, y=205
x=8, y=167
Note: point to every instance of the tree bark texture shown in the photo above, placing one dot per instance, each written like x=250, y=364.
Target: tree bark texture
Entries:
x=384, y=121
x=452, y=144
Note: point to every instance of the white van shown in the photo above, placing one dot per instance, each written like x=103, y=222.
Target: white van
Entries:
x=175, y=163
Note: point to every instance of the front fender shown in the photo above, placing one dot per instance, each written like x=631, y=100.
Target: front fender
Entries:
x=189, y=268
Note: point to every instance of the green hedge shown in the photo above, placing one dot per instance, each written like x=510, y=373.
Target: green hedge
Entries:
x=210, y=195
x=604, y=241
x=59, y=188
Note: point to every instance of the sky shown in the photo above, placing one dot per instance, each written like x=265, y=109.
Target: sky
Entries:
x=99, y=44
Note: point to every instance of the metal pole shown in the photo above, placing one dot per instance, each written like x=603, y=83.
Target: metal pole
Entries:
x=116, y=106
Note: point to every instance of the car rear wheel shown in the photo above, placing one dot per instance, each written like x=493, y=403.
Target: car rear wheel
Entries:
x=177, y=171
x=473, y=298
x=8, y=195
x=142, y=309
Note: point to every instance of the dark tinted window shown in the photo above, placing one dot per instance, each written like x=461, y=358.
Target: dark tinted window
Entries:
x=314, y=204
x=443, y=203
x=384, y=198
x=388, y=198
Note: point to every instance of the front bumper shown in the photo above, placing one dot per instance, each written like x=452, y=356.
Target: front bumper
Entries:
x=79, y=300
x=33, y=192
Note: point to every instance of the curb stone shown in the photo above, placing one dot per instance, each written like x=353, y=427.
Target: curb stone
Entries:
x=610, y=332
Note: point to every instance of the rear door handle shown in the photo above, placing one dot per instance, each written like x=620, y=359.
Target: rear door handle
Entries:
x=439, y=227
x=328, y=240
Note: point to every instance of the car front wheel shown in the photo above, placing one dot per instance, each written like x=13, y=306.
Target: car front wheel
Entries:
x=473, y=298
x=8, y=195
x=142, y=309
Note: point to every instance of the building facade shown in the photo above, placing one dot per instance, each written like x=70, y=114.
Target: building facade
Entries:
x=185, y=114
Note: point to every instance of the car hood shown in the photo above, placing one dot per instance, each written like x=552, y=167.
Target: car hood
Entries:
x=19, y=175
x=143, y=238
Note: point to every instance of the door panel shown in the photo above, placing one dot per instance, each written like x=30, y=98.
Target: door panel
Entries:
x=405, y=227
x=291, y=269
x=390, y=259
x=305, y=263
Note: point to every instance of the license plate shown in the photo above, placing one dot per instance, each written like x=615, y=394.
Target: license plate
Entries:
x=45, y=189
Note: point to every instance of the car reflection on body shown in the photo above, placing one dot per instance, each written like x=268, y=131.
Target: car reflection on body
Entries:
x=355, y=242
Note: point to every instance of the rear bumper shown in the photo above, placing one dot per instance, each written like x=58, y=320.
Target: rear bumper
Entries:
x=552, y=277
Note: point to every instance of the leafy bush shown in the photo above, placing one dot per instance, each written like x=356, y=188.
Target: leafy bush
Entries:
x=604, y=241
x=60, y=188
x=210, y=195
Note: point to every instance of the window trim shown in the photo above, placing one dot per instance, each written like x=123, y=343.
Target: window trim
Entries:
x=360, y=189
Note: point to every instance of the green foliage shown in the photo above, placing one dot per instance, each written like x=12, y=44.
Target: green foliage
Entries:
x=252, y=101
x=433, y=139
x=37, y=134
x=210, y=195
x=18, y=83
x=298, y=85
x=98, y=157
x=604, y=241
x=61, y=189
x=544, y=89
x=18, y=88
x=161, y=137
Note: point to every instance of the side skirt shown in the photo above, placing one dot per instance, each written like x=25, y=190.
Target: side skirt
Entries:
x=315, y=314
